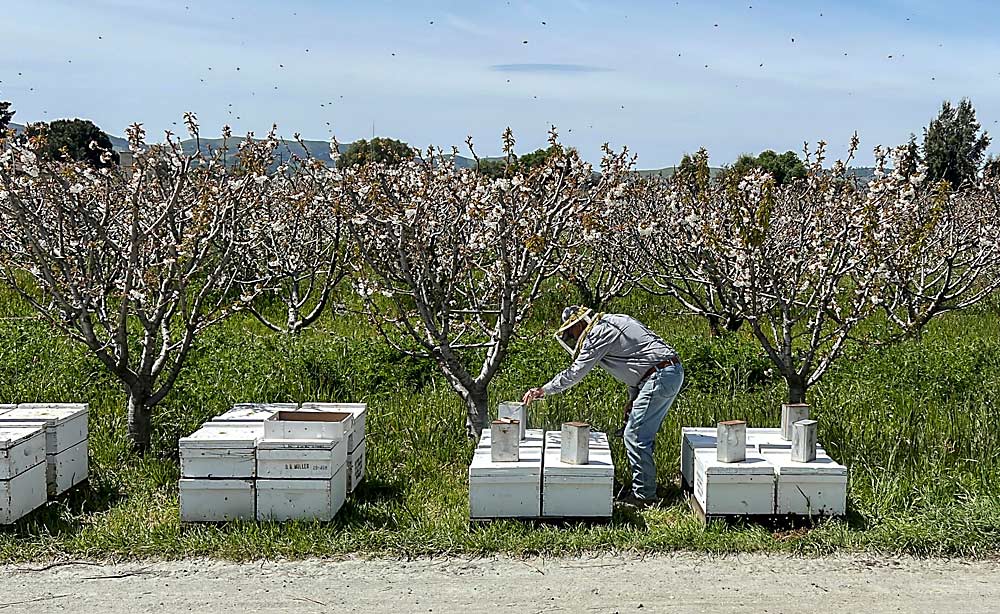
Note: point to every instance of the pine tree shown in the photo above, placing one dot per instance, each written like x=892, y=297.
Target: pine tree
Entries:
x=954, y=144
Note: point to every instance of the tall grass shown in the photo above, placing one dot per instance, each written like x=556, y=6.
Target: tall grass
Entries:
x=914, y=422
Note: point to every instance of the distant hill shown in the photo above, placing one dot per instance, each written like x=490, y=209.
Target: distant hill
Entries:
x=668, y=171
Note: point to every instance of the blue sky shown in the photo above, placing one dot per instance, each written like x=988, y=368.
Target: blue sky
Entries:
x=663, y=78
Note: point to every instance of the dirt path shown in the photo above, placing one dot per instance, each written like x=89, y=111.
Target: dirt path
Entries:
x=679, y=583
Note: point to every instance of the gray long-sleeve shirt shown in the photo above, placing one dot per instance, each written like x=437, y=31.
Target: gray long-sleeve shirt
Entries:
x=622, y=346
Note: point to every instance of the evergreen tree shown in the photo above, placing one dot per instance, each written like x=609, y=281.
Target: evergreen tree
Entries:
x=954, y=144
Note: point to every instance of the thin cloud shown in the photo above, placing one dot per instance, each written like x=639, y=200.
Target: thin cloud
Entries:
x=548, y=68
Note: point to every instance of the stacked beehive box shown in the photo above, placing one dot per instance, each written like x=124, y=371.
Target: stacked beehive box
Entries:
x=357, y=446
x=218, y=472
x=272, y=461
x=767, y=482
x=22, y=471
x=302, y=465
x=540, y=483
x=577, y=490
x=66, y=429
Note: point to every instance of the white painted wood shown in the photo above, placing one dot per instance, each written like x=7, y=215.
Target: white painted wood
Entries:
x=696, y=438
x=746, y=487
x=506, y=490
x=67, y=469
x=6, y=408
x=505, y=441
x=221, y=451
x=817, y=488
x=577, y=490
x=790, y=414
x=804, y=434
x=301, y=499
x=251, y=412
x=534, y=438
x=21, y=448
x=515, y=410
x=300, y=458
x=356, y=465
x=359, y=412
x=598, y=440
x=65, y=423
x=216, y=500
x=574, y=445
x=732, y=441
x=22, y=494
x=309, y=424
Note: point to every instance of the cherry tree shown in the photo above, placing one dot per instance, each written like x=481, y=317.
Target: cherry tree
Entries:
x=132, y=265
x=298, y=254
x=941, y=248
x=664, y=235
x=451, y=261
x=790, y=260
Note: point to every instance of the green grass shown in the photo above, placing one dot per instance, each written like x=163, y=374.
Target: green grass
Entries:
x=914, y=422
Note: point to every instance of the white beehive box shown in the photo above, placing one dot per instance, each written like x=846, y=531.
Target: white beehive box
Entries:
x=744, y=488
x=308, y=425
x=252, y=412
x=216, y=500
x=66, y=427
x=21, y=448
x=6, y=408
x=359, y=413
x=356, y=463
x=300, y=458
x=577, y=491
x=301, y=499
x=534, y=438
x=816, y=488
x=221, y=451
x=698, y=438
x=506, y=490
x=22, y=494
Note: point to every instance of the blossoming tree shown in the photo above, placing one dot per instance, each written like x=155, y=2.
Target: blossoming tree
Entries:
x=298, y=255
x=133, y=265
x=451, y=260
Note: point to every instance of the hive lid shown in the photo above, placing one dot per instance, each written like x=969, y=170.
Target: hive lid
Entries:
x=297, y=444
x=49, y=413
x=822, y=466
x=356, y=409
x=529, y=465
x=600, y=465
x=598, y=440
x=220, y=435
x=11, y=435
x=754, y=464
x=6, y=408
x=248, y=412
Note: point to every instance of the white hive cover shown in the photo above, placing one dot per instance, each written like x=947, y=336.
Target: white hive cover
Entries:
x=11, y=436
x=600, y=464
x=246, y=412
x=755, y=464
x=598, y=440
x=530, y=464
x=533, y=438
x=217, y=435
x=50, y=413
x=823, y=465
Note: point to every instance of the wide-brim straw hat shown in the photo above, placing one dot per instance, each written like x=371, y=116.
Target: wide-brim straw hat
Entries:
x=573, y=315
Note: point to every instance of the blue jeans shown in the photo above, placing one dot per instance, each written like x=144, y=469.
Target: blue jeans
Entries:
x=648, y=411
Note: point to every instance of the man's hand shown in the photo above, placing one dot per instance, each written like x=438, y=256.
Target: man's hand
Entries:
x=533, y=395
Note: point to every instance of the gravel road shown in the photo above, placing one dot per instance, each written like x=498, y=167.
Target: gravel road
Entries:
x=675, y=583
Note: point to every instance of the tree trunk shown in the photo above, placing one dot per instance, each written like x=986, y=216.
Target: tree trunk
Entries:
x=477, y=404
x=796, y=389
x=140, y=422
